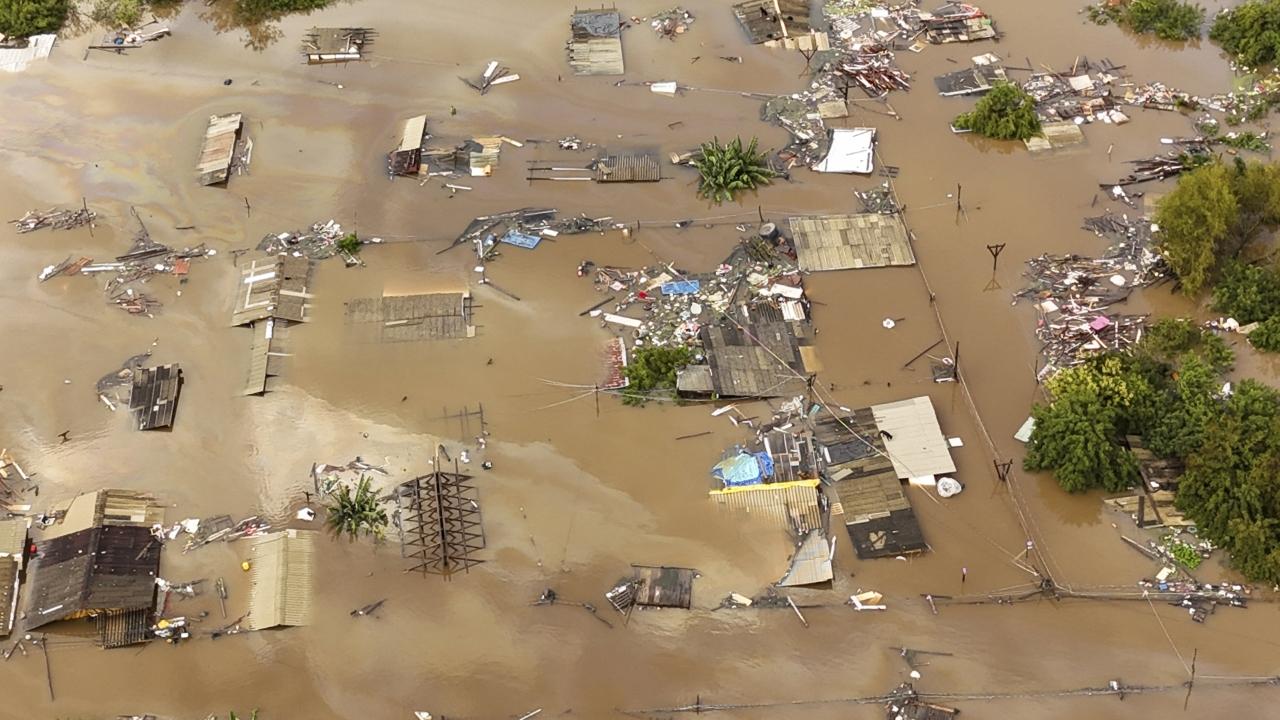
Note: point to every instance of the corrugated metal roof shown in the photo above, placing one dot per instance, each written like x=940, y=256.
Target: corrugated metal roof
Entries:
x=96, y=570
x=415, y=129
x=914, y=441
x=13, y=538
x=812, y=562
x=219, y=147
x=596, y=45
x=273, y=287
x=843, y=242
x=789, y=504
x=280, y=579
x=8, y=594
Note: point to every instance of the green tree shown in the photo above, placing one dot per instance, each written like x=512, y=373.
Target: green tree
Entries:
x=1167, y=342
x=349, y=244
x=118, y=13
x=1266, y=337
x=256, y=11
x=1077, y=434
x=1194, y=221
x=1166, y=19
x=1005, y=113
x=24, y=18
x=653, y=369
x=1250, y=32
x=356, y=512
x=1248, y=293
x=729, y=169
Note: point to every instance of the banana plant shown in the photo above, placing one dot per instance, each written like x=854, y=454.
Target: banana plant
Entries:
x=730, y=168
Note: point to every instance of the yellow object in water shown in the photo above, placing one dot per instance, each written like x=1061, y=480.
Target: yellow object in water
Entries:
x=162, y=624
x=245, y=566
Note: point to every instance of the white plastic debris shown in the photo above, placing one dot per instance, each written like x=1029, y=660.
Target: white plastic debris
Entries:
x=949, y=487
x=888, y=323
x=306, y=514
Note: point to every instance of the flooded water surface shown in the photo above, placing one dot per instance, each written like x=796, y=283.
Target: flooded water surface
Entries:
x=581, y=485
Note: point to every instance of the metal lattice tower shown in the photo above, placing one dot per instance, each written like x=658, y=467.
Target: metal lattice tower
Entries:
x=440, y=523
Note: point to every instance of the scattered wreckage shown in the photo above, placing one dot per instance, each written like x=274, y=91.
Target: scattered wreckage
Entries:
x=55, y=219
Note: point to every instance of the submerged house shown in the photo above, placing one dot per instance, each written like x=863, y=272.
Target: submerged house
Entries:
x=595, y=45
x=99, y=561
x=13, y=546
x=336, y=45
x=406, y=160
x=766, y=20
x=225, y=148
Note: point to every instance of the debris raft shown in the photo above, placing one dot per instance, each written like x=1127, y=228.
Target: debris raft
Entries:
x=664, y=306
x=1165, y=165
x=1074, y=294
x=670, y=24
x=336, y=45
x=54, y=218
x=130, y=38
x=494, y=74
x=320, y=242
x=523, y=228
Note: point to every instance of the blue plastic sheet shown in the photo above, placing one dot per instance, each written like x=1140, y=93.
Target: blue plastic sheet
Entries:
x=520, y=239
x=681, y=287
x=741, y=469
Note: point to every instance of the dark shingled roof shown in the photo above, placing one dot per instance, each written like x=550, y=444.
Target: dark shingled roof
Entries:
x=94, y=570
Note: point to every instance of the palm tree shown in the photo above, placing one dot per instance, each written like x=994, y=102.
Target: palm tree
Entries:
x=727, y=169
x=355, y=513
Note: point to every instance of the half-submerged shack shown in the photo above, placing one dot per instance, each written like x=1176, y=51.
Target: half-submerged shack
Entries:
x=868, y=453
x=769, y=358
x=272, y=293
x=595, y=45
x=13, y=548
x=765, y=20
x=406, y=160
x=225, y=148
x=277, y=287
x=100, y=560
x=336, y=45
x=410, y=318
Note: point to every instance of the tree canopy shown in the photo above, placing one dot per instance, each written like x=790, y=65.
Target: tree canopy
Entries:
x=653, y=368
x=1213, y=213
x=24, y=18
x=1005, y=113
x=1194, y=222
x=1250, y=32
x=1166, y=19
x=1169, y=390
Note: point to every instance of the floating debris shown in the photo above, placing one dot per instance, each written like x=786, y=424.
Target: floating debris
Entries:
x=670, y=23
x=318, y=243
x=494, y=74
x=54, y=218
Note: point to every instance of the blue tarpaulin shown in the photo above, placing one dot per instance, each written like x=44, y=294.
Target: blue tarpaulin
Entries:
x=741, y=469
x=520, y=239
x=681, y=287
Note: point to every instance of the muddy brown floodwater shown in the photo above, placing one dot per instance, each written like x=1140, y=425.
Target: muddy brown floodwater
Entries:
x=575, y=494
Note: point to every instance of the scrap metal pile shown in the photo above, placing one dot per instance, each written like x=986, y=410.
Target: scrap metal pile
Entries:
x=54, y=218
x=664, y=306
x=1073, y=294
x=523, y=228
x=144, y=259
